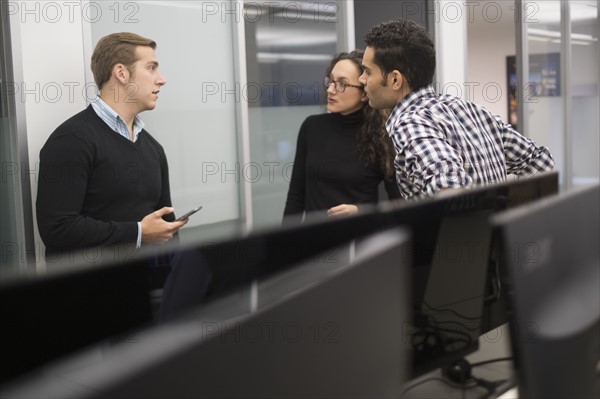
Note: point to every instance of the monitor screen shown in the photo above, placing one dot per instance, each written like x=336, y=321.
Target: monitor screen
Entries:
x=314, y=330
x=449, y=243
x=499, y=284
x=207, y=270
x=447, y=285
x=455, y=265
x=551, y=250
x=50, y=315
x=450, y=251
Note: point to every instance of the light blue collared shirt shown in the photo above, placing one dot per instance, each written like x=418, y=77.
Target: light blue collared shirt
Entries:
x=118, y=125
x=114, y=121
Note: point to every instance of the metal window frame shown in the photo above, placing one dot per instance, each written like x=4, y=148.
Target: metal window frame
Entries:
x=15, y=111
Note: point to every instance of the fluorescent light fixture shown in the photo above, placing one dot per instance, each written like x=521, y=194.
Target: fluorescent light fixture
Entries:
x=288, y=38
x=543, y=35
x=548, y=12
x=272, y=58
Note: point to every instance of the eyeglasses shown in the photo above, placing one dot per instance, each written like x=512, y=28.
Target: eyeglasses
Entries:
x=340, y=87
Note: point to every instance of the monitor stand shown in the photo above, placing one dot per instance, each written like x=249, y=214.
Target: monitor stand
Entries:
x=460, y=372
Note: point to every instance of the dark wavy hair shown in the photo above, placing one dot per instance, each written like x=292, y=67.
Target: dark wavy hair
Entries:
x=405, y=46
x=375, y=147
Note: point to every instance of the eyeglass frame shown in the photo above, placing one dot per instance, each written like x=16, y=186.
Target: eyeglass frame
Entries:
x=327, y=81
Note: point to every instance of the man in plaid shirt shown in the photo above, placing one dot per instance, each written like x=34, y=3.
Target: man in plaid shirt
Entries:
x=441, y=141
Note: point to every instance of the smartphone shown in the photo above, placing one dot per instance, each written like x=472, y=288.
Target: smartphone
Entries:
x=187, y=215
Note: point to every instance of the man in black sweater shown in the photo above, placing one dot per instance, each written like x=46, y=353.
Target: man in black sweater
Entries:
x=104, y=180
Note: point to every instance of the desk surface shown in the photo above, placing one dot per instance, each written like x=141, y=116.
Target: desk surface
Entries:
x=494, y=345
x=512, y=393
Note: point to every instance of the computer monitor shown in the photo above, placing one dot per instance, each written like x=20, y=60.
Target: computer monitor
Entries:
x=329, y=331
x=204, y=271
x=447, y=288
x=50, y=315
x=499, y=286
x=455, y=266
x=551, y=250
x=451, y=238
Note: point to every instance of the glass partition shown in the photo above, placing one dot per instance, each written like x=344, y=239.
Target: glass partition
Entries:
x=16, y=226
x=560, y=94
x=195, y=119
x=584, y=92
x=289, y=45
x=10, y=259
x=542, y=91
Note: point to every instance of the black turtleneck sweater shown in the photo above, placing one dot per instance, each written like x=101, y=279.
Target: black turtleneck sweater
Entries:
x=327, y=170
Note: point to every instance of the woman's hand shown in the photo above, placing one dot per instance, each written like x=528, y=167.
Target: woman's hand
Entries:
x=342, y=210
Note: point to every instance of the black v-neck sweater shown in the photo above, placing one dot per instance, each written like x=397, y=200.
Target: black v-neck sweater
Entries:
x=327, y=170
x=95, y=185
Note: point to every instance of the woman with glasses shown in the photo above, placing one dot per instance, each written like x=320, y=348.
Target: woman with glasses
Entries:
x=342, y=155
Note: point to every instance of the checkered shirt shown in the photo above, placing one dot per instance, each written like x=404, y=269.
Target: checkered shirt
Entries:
x=442, y=141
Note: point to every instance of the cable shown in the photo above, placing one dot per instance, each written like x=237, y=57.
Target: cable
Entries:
x=490, y=386
x=469, y=383
x=496, y=284
x=457, y=386
x=500, y=388
x=499, y=359
x=451, y=311
x=494, y=258
x=461, y=371
x=421, y=340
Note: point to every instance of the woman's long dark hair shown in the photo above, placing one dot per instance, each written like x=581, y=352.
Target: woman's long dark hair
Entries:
x=375, y=147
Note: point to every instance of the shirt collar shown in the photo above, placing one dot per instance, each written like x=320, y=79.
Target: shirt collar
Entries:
x=410, y=99
x=114, y=121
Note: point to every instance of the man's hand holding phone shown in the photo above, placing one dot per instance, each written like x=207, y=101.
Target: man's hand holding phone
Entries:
x=188, y=214
x=156, y=230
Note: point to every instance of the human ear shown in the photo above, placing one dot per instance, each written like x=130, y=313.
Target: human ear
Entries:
x=121, y=73
x=397, y=79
